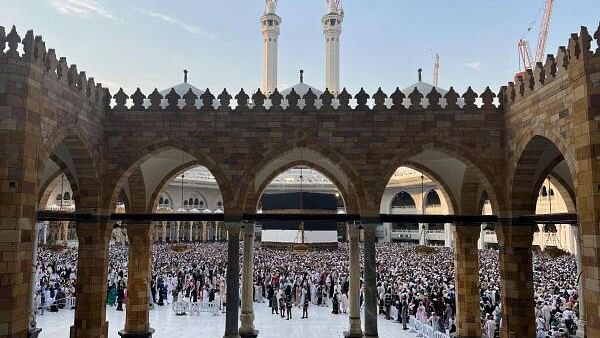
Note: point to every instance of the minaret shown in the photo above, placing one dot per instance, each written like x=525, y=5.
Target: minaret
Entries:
x=332, y=29
x=270, y=29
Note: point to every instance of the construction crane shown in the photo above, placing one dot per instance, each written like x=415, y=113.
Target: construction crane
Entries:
x=523, y=46
x=436, y=70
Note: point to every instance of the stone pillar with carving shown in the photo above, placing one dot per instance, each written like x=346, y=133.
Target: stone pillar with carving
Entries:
x=575, y=230
x=355, y=329
x=247, y=329
x=370, y=268
x=466, y=275
x=92, y=274
x=137, y=323
x=516, y=280
x=233, y=280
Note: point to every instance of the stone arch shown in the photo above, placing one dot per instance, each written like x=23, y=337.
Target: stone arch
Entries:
x=146, y=152
x=47, y=188
x=483, y=171
x=154, y=199
x=437, y=179
x=333, y=167
x=74, y=156
x=565, y=191
x=535, y=162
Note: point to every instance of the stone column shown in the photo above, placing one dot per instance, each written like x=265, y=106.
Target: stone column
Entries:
x=516, y=280
x=466, y=275
x=355, y=327
x=177, y=232
x=191, y=235
x=137, y=323
x=34, y=331
x=247, y=316
x=92, y=273
x=370, y=281
x=233, y=281
x=45, y=233
x=577, y=241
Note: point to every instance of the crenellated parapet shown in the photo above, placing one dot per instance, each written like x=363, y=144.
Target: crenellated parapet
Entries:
x=46, y=61
x=577, y=50
x=416, y=101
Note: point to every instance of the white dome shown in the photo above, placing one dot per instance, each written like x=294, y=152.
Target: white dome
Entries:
x=181, y=89
x=301, y=89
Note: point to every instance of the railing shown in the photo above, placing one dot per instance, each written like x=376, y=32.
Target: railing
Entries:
x=195, y=309
x=424, y=330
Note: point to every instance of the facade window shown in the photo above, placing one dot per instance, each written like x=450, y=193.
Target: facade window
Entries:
x=219, y=204
x=191, y=201
x=185, y=203
x=167, y=201
x=403, y=201
x=160, y=200
x=544, y=192
x=196, y=202
x=433, y=199
x=67, y=196
x=58, y=197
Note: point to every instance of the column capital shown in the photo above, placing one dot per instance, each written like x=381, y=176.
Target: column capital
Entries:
x=233, y=227
x=466, y=232
x=512, y=235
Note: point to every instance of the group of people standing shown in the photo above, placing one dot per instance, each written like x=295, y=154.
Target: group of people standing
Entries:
x=408, y=283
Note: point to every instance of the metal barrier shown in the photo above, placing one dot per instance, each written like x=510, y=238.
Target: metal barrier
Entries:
x=424, y=330
x=195, y=309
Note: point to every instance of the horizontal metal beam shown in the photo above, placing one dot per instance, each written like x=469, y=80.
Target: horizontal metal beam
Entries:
x=460, y=220
x=463, y=219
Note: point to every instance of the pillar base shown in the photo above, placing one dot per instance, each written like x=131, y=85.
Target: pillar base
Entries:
x=147, y=334
x=34, y=333
x=347, y=334
x=250, y=334
x=580, y=329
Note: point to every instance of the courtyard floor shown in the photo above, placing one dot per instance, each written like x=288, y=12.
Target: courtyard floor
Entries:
x=321, y=323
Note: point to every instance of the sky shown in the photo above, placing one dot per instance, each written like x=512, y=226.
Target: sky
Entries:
x=148, y=43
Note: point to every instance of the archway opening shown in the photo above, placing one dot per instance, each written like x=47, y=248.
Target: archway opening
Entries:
x=301, y=189
x=412, y=192
x=189, y=188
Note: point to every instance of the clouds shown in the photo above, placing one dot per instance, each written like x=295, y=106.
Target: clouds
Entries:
x=173, y=21
x=87, y=8
x=473, y=65
x=83, y=8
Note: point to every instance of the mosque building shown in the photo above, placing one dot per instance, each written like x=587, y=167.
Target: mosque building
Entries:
x=408, y=191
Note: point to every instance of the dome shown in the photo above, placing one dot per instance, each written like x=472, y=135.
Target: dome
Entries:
x=424, y=88
x=301, y=89
x=181, y=89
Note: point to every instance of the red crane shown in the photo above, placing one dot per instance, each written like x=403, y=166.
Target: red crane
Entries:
x=523, y=47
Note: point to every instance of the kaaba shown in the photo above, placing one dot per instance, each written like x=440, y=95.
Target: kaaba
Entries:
x=313, y=234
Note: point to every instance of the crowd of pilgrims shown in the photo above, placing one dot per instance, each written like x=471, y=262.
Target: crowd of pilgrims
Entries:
x=408, y=283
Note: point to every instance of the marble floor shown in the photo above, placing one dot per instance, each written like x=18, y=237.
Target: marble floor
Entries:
x=321, y=323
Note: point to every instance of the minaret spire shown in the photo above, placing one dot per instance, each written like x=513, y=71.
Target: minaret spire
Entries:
x=332, y=29
x=185, y=76
x=270, y=22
